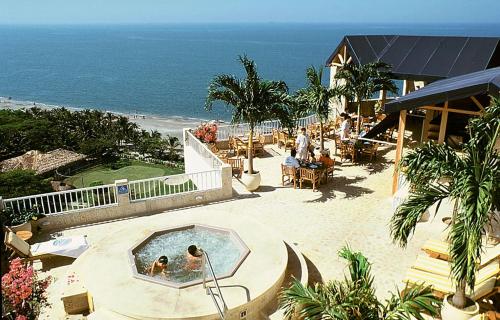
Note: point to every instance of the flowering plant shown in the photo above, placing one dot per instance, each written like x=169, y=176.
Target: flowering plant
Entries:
x=206, y=132
x=23, y=294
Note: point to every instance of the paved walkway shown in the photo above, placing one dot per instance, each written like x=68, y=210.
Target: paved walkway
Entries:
x=354, y=208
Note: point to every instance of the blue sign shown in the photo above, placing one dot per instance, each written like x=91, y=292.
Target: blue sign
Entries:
x=123, y=189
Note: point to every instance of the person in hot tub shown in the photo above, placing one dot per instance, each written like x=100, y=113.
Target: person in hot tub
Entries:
x=159, y=266
x=193, y=258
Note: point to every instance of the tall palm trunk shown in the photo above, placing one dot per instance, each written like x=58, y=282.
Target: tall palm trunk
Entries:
x=321, y=141
x=459, y=299
x=250, y=151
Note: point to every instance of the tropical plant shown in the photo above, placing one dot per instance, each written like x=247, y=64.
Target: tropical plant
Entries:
x=471, y=180
x=252, y=99
x=316, y=97
x=354, y=297
x=360, y=82
x=10, y=217
x=23, y=294
x=173, y=144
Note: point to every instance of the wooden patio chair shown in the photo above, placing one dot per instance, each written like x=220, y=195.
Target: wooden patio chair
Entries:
x=275, y=136
x=309, y=175
x=236, y=166
x=347, y=150
x=241, y=147
x=290, y=173
x=258, y=146
x=370, y=150
x=329, y=171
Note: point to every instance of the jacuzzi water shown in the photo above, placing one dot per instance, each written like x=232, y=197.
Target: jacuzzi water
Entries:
x=223, y=253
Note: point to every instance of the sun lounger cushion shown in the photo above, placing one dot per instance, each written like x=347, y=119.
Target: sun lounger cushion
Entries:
x=441, y=267
x=65, y=246
x=437, y=247
x=17, y=244
x=432, y=265
x=444, y=284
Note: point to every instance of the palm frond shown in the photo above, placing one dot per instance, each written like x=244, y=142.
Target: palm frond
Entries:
x=431, y=162
x=359, y=267
x=404, y=220
x=411, y=303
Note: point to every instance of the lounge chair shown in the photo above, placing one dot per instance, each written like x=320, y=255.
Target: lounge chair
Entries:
x=490, y=315
x=442, y=284
x=439, y=250
x=63, y=246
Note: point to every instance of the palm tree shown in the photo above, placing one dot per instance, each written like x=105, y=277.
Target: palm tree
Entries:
x=362, y=81
x=172, y=143
x=252, y=99
x=354, y=297
x=317, y=98
x=472, y=182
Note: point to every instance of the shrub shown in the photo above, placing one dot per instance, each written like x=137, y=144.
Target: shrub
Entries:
x=19, y=183
x=9, y=217
x=23, y=294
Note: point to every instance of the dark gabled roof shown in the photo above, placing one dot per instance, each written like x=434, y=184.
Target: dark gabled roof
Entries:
x=481, y=82
x=427, y=58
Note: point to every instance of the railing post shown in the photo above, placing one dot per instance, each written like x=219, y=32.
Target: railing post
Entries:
x=2, y=204
x=122, y=192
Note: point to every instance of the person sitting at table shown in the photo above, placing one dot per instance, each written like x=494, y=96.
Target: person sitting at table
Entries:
x=159, y=266
x=291, y=160
x=366, y=129
x=302, y=145
x=345, y=127
x=325, y=159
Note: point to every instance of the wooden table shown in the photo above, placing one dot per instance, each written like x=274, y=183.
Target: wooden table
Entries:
x=24, y=235
x=317, y=172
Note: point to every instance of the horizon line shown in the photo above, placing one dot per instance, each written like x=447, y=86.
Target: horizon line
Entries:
x=243, y=23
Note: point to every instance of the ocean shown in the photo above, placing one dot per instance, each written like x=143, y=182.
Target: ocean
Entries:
x=164, y=70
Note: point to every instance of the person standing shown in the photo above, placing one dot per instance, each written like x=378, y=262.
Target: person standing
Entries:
x=345, y=127
x=302, y=145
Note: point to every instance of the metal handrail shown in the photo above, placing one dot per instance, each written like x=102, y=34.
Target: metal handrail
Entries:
x=204, y=261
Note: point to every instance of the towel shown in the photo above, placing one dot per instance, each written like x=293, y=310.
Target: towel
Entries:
x=65, y=246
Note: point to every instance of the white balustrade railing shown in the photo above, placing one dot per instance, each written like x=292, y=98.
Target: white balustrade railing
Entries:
x=174, y=185
x=202, y=150
x=265, y=128
x=65, y=201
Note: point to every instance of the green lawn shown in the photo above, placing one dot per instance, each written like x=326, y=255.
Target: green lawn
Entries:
x=136, y=171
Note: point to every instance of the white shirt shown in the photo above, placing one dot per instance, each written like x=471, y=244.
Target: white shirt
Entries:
x=291, y=162
x=302, y=142
x=345, y=130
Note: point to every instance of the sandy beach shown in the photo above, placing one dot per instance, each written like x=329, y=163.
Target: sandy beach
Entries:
x=165, y=125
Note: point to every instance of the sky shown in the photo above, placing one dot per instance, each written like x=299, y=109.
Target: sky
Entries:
x=248, y=11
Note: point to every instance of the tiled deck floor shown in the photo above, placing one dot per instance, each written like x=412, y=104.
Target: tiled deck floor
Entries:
x=354, y=208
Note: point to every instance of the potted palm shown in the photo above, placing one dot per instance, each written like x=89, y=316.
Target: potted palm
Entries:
x=360, y=82
x=316, y=98
x=354, y=297
x=471, y=180
x=19, y=220
x=252, y=100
